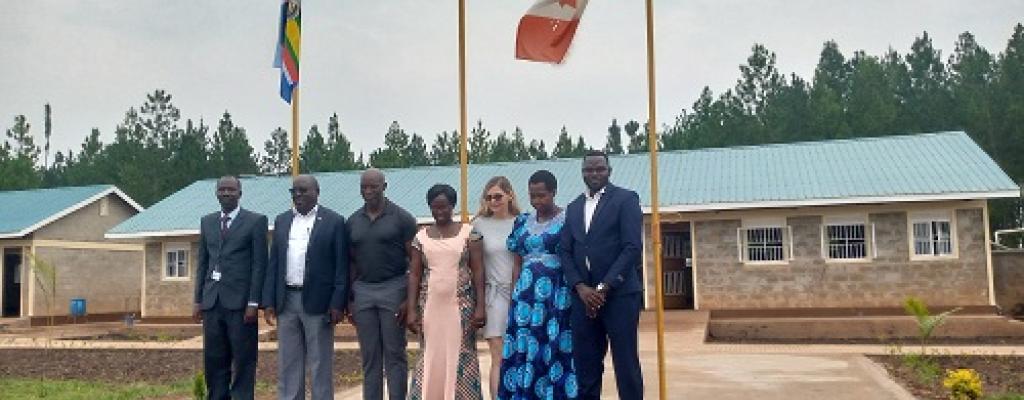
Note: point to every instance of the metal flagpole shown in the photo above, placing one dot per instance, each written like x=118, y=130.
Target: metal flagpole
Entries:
x=652, y=142
x=295, y=131
x=463, y=134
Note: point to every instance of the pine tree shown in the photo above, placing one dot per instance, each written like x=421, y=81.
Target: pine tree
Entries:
x=614, y=141
x=18, y=157
x=564, y=148
x=396, y=141
x=311, y=154
x=520, y=150
x=339, y=155
x=277, y=154
x=872, y=107
x=479, y=144
x=416, y=154
x=537, y=150
x=502, y=148
x=230, y=151
x=929, y=99
x=972, y=74
x=637, y=141
x=445, y=150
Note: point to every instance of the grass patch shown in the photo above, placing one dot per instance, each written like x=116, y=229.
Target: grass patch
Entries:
x=72, y=389
x=925, y=368
x=24, y=388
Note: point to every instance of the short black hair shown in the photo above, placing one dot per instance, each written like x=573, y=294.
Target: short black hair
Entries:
x=233, y=177
x=597, y=153
x=442, y=189
x=547, y=178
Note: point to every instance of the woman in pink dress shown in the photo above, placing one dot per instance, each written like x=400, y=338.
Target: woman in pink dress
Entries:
x=446, y=303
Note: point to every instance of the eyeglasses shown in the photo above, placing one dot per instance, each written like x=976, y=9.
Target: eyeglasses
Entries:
x=494, y=197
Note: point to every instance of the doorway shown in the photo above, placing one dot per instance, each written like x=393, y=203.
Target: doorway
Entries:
x=12, y=283
x=677, y=266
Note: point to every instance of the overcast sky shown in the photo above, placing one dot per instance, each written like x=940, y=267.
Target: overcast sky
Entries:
x=377, y=61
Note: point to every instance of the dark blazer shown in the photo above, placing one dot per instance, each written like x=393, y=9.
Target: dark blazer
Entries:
x=613, y=243
x=325, y=284
x=241, y=258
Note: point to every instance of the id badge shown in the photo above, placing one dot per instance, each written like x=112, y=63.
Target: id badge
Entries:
x=215, y=276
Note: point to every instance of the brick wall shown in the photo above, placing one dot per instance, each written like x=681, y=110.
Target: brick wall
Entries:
x=809, y=281
x=86, y=224
x=110, y=281
x=168, y=298
x=1008, y=273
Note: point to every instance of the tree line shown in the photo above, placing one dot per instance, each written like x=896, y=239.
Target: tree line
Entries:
x=154, y=152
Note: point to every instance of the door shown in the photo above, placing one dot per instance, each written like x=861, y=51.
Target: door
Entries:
x=677, y=266
x=12, y=283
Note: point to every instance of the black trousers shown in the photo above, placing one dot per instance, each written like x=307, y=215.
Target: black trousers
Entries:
x=616, y=325
x=229, y=354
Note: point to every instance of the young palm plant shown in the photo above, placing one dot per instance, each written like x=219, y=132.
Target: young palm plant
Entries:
x=46, y=281
x=926, y=323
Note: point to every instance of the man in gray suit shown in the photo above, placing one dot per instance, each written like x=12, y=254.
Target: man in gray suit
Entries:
x=380, y=235
x=306, y=290
x=229, y=281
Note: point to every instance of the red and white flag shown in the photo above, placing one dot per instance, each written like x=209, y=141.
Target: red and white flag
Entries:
x=547, y=29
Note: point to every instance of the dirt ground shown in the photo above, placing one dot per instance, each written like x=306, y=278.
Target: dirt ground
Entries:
x=151, y=366
x=999, y=374
x=906, y=342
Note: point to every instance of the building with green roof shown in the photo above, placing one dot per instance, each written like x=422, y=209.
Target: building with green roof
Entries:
x=62, y=230
x=830, y=224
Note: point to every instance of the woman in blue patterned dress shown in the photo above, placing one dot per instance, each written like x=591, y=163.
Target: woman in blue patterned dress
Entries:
x=537, y=355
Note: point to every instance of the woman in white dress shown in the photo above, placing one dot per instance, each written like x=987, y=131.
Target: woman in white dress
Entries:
x=498, y=209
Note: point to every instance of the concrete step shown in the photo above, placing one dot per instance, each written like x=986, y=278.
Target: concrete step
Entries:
x=13, y=323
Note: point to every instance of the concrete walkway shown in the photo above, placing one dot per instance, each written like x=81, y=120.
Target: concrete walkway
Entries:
x=694, y=369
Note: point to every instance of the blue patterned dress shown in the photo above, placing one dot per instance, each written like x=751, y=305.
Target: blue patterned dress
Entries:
x=537, y=356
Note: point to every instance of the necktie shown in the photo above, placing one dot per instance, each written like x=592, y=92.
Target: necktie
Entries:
x=224, y=226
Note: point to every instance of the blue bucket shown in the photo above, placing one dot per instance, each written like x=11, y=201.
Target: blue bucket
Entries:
x=77, y=307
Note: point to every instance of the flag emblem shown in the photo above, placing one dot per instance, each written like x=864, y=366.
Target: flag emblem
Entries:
x=286, y=54
x=547, y=30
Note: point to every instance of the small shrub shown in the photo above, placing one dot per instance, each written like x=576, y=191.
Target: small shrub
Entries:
x=199, y=386
x=926, y=369
x=963, y=384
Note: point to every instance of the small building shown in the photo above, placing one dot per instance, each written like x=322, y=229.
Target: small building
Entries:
x=54, y=251
x=858, y=223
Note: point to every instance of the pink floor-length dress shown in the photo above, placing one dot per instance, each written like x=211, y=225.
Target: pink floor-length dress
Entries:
x=448, y=368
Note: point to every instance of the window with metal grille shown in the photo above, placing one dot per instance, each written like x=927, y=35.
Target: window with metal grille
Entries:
x=176, y=266
x=932, y=238
x=846, y=241
x=764, y=244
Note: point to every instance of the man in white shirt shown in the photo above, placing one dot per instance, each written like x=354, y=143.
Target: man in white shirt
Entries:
x=306, y=290
x=600, y=249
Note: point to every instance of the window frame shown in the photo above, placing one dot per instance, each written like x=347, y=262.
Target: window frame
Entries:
x=176, y=247
x=932, y=217
x=786, y=233
x=870, y=248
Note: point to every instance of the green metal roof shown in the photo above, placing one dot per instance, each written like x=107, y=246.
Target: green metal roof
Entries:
x=22, y=212
x=923, y=167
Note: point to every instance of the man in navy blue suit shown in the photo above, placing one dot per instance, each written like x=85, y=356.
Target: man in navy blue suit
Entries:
x=600, y=250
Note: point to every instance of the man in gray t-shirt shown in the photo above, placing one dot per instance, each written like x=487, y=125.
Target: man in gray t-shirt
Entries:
x=380, y=235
